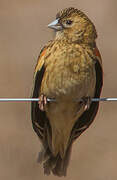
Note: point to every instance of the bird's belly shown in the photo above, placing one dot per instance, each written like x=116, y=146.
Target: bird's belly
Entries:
x=66, y=88
x=68, y=93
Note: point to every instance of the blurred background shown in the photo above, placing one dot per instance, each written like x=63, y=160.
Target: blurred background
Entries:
x=23, y=31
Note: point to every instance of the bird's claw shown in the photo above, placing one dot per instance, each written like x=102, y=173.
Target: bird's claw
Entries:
x=87, y=102
x=42, y=102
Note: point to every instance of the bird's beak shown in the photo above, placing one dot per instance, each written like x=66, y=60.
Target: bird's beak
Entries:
x=55, y=25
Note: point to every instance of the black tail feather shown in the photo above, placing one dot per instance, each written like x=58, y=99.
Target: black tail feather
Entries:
x=56, y=165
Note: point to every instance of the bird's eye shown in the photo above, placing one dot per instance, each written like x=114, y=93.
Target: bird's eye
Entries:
x=69, y=22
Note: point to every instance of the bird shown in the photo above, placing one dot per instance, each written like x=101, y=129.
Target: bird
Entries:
x=69, y=73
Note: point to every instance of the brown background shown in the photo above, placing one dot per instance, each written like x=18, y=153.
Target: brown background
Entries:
x=23, y=31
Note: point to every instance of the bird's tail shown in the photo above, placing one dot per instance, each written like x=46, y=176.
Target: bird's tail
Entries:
x=54, y=164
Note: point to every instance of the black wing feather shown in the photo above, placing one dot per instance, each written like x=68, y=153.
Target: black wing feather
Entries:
x=88, y=116
x=38, y=116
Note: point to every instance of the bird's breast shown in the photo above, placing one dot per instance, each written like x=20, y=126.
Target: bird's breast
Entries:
x=66, y=76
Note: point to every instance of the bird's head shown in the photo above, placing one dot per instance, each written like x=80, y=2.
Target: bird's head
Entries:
x=73, y=25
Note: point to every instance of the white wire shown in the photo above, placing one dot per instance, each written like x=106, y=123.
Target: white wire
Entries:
x=49, y=99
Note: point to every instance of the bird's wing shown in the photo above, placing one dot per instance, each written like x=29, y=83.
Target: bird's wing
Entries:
x=39, y=119
x=88, y=116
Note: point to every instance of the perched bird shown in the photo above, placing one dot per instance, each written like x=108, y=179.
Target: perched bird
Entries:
x=68, y=71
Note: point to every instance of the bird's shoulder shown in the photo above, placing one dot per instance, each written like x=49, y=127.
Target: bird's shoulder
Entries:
x=41, y=58
x=93, y=53
x=55, y=49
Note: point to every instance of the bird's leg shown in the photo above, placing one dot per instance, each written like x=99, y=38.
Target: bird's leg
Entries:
x=87, y=102
x=42, y=102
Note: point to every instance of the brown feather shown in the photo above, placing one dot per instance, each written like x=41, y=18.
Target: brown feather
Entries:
x=68, y=68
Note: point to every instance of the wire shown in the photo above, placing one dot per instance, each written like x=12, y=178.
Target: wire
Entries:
x=103, y=99
x=49, y=99
x=22, y=99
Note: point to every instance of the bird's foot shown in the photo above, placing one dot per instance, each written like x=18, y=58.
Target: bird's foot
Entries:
x=87, y=102
x=42, y=102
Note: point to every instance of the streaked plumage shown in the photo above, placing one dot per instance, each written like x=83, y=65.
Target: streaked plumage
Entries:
x=68, y=68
